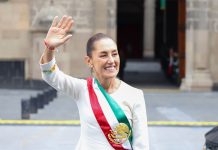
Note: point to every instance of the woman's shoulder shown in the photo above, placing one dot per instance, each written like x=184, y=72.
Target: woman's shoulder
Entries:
x=131, y=94
x=129, y=88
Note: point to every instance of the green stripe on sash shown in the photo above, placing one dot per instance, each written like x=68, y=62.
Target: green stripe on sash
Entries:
x=117, y=110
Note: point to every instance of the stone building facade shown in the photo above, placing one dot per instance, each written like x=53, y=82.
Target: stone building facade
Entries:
x=24, y=25
x=201, y=45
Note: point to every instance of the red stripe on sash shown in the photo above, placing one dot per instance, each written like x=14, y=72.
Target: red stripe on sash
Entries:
x=99, y=115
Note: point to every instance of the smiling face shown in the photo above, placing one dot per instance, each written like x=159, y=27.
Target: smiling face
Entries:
x=104, y=60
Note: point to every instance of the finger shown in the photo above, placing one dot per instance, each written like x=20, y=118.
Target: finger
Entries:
x=61, y=21
x=55, y=20
x=66, y=22
x=69, y=26
x=66, y=38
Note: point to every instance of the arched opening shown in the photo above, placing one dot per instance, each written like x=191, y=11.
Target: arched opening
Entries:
x=170, y=35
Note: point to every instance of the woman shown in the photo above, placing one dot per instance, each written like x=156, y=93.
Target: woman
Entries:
x=112, y=113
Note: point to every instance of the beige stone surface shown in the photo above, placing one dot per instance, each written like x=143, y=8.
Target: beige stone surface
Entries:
x=149, y=28
x=213, y=38
x=198, y=49
x=14, y=35
x=213, y=57
x=18, y=40
x=14, y=16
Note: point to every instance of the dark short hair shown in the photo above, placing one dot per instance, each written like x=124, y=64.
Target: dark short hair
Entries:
x=92, y=40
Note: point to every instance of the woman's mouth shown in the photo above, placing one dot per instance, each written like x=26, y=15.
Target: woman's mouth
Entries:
x=110, y=68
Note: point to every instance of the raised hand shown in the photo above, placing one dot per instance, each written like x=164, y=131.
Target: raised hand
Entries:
x=57, y=34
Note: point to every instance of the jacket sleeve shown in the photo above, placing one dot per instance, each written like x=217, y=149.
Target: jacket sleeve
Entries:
x=140, y=127
x=60, y=81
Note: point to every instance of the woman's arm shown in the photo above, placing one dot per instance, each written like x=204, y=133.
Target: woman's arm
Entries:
x=61, y=81
x=56, y=36
x=140, y=127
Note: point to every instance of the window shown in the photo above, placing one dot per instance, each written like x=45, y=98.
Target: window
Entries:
x=3, y=1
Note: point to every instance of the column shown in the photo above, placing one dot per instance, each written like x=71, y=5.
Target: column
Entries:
x=100, y=16
x=111, y=21
x=149, y=28
x=198, y=76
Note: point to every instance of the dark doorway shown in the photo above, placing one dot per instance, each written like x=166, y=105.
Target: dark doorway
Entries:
x=166, y=28
x=170, y=36
x=130, y=27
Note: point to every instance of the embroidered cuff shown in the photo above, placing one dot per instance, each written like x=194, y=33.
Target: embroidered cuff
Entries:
x=49, y=67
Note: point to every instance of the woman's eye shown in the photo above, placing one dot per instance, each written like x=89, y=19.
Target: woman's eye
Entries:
x=103, y=55
x=115, y=54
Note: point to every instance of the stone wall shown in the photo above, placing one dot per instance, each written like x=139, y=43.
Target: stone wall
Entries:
x=198, y=75
x=90, y=17
x=206, y=10
x=14, y=26
x=22, y=39
x=213, y=38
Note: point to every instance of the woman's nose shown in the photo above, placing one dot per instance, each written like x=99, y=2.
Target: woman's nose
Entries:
x=110, y=59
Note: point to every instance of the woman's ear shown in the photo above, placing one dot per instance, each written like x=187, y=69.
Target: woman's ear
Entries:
x=88, y=61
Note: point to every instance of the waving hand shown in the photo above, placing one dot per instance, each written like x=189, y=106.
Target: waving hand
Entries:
x=58, y=32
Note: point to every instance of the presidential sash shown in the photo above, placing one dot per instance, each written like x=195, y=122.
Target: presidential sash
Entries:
x=118, y=132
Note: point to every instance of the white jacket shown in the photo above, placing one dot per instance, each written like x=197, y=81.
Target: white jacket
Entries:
x=130, y=99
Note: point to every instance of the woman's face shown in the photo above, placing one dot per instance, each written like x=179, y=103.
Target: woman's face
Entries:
x=105, y=59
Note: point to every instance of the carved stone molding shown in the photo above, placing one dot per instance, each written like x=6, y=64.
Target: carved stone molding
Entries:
x=111, y=13
x=82, y=11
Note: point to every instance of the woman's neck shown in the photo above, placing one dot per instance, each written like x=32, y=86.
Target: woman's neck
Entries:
x=110, y=85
